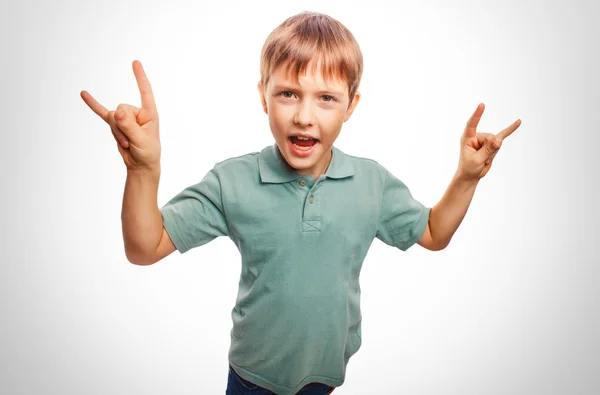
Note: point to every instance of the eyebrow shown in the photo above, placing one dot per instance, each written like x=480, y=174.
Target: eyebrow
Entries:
x=296, y=88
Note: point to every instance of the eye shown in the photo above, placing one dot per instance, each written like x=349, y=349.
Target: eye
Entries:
x=328, y=98
x=287, y=94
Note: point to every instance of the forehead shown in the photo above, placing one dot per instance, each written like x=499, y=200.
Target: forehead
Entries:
x=311, y=78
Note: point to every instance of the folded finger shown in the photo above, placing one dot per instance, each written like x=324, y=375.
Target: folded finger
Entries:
x=120, y=137
x=118, y=134
x=482, y=139
x=127, y=122
x=491, y=158
x=128, y=107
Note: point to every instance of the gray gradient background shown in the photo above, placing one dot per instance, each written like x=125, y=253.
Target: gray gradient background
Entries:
x=512, y=306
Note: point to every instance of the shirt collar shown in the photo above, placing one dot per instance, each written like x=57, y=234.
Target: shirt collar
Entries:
x=274, y=169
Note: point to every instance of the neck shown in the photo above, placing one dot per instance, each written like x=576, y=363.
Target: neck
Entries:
x=321, y=168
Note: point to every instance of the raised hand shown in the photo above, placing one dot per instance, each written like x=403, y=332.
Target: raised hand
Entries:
x=136, y=130
x=477, y=150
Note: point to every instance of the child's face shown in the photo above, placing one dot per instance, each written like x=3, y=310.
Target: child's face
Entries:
x=312, y=108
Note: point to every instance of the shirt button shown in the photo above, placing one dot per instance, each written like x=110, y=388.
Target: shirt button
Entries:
x=310, y=199
x=302, y=183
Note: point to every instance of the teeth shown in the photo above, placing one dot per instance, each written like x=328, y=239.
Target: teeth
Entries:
x=302, y=148
x=302, y=138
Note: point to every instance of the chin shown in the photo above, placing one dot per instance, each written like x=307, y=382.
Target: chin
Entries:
x=304, y=165
x=299, y=163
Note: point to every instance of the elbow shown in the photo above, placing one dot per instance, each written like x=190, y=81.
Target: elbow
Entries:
x=139, y=259
x=142, y=262
x=438, y=245
x=441, y=246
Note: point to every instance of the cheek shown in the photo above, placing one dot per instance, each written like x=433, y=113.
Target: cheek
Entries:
x=279, y=115
x=332, y=121
x=277, y=120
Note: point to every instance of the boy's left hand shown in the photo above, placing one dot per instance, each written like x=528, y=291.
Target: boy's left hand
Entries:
x=477, y=150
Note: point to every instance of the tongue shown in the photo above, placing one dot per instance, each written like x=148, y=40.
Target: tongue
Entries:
x=303, y=143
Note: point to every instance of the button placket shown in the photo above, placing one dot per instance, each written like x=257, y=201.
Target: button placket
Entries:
x=303, y=186
x=312, y=214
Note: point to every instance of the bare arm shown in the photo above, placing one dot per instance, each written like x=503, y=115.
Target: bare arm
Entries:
x=136, y=131
x=146, y=241
x=476, y=157
x=446, y=216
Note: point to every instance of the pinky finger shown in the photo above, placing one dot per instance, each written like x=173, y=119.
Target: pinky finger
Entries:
x=96, y=107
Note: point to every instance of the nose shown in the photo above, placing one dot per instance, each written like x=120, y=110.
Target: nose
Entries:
x=305, y=115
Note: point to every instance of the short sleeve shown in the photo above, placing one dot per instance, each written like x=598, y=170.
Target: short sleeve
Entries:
x=195, y=216
x=403, y=219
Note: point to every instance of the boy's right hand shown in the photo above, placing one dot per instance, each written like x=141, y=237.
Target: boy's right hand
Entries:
x=134, y=129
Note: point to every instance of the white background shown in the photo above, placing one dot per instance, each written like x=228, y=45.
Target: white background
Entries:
x=512, y=306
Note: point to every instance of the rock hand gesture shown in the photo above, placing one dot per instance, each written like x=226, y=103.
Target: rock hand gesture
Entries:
x=135, y=129
x=479, y=149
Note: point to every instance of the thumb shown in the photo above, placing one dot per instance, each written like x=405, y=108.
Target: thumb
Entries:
x=126, y=119
x=489, y=149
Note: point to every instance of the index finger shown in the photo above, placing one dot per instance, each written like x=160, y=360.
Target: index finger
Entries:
x=95, y=106
x=146, y=94
x=509, y=130
x=471, y=127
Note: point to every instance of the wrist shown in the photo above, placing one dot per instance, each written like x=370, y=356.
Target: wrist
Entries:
x=146, y=172
x=464, y=181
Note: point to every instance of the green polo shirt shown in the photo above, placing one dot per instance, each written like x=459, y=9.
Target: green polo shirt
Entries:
x=302, y=242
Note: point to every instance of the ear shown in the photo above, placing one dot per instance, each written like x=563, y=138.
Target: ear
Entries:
x=352, y=106
x=263, y=100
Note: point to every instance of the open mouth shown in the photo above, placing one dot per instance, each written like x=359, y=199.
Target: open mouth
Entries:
x=303, y=143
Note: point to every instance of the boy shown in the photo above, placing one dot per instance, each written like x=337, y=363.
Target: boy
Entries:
x=301, y=212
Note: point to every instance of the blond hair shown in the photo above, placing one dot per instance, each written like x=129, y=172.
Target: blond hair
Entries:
x=315, y=39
